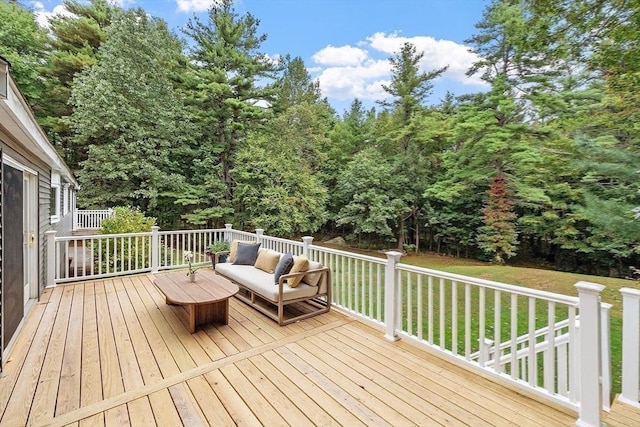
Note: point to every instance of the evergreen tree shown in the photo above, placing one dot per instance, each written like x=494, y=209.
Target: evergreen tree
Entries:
x=74, y=42
x=294, y=86
x=226, y=102
x=409, y=89
x=498, y=237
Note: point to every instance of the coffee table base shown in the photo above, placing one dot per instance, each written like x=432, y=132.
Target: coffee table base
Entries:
x=200, y=314
x=206, y=299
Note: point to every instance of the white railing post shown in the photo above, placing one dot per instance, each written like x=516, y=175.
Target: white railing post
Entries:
x=227, y=232
x=391, y=303
x=306, y=243
x=50, y=276
x=630, y=347
x=590, y=352
x=74, y=226
x=155, y=248
x=485, y=352
x=259, y=234
x=605, y=358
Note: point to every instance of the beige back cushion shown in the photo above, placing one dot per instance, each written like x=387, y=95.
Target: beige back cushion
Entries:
x=267, y=260
x=300, y=264
x=312, y=278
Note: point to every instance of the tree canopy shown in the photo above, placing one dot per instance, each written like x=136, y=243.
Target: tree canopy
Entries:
x=541, y=166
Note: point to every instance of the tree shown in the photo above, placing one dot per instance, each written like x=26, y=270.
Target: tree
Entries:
x=22, y=43
x=410, y=89
x=498, y=236
x=126, y=111
x=294, y=86
x=368, y=191
x=278, y=186
x=74, y=42
x=226, y=101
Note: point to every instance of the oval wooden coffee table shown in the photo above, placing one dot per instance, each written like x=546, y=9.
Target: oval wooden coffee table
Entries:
x=207, y=299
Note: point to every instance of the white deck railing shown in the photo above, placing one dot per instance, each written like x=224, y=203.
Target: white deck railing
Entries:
x=630, y=347
x=536, y=331
x=90, y=219
x=554, y=345
x=106, y=255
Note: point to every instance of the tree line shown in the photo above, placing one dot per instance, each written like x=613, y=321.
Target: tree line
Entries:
x=202, y=128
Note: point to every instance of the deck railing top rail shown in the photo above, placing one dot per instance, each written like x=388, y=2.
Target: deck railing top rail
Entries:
x=353, y=255
x=498, y=286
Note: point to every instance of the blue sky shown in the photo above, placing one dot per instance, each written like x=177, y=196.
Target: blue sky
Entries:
x=346, y=44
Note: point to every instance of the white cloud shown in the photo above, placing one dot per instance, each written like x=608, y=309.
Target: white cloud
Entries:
x=43, y=16
x=349, y=82
x=195, y=5
x=340, y=56
x=348, y=72
x=437, y=54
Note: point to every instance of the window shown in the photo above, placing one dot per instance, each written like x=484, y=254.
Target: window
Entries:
x=70, y=200
x=65, y=199
x=55, y=200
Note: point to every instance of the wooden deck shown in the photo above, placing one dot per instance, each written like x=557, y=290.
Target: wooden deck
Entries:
x=113, y=353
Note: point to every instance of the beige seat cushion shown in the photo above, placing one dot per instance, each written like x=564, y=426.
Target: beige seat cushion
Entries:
x=300, y=264
x=262, y=283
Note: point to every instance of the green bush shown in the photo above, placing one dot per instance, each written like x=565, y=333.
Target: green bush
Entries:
x=121, y=254
x=127, y=220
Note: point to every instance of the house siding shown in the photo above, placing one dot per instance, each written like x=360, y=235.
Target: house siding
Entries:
x=63, y=227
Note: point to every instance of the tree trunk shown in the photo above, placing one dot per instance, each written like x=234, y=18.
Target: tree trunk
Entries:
x=401, y=233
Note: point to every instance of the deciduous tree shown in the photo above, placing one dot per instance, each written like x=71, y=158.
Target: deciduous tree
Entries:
x=127, y=113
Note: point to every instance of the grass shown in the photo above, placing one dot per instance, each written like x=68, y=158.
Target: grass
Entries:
x=535, y=278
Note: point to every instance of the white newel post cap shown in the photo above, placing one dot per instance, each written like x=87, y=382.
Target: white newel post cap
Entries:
x=589, y=287
x=630, y=292
x=228, y=226
x=259, y=231
x=394, y=255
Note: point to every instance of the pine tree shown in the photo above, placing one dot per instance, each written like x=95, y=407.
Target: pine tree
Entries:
x=74, y=42
x=226, y=102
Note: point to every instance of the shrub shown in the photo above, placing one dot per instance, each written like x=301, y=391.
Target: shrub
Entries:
x=127, y=220
x=124, y=253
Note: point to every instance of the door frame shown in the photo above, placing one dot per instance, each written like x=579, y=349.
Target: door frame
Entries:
x=30, y=181
x=31, y=267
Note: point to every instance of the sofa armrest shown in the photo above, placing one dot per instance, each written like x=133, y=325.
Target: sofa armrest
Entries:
x=324, y=271
x=219, y=254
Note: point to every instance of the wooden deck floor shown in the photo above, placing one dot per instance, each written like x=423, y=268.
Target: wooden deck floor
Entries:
x=113, y=353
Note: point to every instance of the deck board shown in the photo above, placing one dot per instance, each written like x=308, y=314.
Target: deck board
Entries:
x=111, y=352
x=622, y=415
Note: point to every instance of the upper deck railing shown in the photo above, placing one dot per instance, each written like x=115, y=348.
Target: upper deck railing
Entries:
x=550, y=344
x=90, y=219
